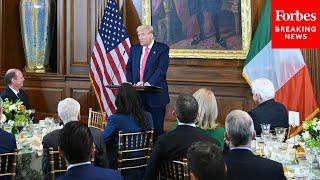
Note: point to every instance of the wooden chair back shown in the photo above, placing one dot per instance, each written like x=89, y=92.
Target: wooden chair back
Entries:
x=134, y=149
x=8, y=164
x=174, y=170
x=97, y=119
x=57, y=163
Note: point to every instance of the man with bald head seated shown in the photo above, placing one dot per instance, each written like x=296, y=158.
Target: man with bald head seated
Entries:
x=68, y=111
x=242, y=163
x=14, y=80
x=268, y=111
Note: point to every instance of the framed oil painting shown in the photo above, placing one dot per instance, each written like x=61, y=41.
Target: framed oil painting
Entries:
x=208, y=29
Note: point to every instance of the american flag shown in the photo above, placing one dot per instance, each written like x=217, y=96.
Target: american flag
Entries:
x=109, y=57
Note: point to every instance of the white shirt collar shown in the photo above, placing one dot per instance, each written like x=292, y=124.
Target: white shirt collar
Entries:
x=149, y=46
x=245, y=148
x=15, y=91
x=78, y=164
x=186, y=124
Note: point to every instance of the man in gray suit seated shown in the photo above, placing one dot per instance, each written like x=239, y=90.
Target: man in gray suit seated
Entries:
x=241, y=161
x=69, y=110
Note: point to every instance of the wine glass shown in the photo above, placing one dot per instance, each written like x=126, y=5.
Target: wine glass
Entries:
x=280, y=133
x=265, y=128
x=32, y=113
x=56, y=122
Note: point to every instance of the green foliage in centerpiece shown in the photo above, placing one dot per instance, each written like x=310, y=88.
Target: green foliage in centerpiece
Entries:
x=311, y=133
x=16, y=114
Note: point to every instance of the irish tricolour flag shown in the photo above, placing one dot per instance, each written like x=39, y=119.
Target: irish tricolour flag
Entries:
x=284, y=67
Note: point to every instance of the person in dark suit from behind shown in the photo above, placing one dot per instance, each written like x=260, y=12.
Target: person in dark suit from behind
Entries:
x=14, y=80
x=242, y=163
x=147, y=65
x=76, y=146
x=69, y=110
x=268, y=111
x=205, y=162
x=7, y=140
x=174, y=144
x=130, y=117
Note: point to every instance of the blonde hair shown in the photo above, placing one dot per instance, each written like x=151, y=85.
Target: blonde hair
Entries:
x=208, y=109
x=145, y=28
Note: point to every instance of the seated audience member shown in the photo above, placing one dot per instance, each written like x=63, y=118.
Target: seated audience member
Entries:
x=241, y=162
x=7, y=140
x=130, y=117
x=207, y=115
x=174, y=144
x=14, y=80
x=77, y=147
x=69, y=110
x=205, y=162
x=268, y=111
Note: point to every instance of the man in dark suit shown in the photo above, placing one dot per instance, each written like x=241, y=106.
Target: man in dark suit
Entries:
x=268, y=110
x=14, y=80
x=213, y=8
x=174, y=144
x=147, y=65
x=7, y=140
x=76, y=146
x=241, y=162
x=69, y=110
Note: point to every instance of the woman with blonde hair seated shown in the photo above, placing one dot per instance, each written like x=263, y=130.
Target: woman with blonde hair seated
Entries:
x=207, y=115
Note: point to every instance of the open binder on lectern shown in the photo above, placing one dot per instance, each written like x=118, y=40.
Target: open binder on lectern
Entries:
x=148, y=89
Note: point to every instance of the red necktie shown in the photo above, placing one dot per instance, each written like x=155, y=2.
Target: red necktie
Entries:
x=143, y=63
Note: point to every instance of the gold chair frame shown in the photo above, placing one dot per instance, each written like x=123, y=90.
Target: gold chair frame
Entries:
x=7, y=160
x=55, y=160
x=174, y=170
x=62, y=165
x=97, y=119
x=134, y=142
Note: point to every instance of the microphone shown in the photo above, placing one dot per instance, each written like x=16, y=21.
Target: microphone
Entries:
x=117, y=67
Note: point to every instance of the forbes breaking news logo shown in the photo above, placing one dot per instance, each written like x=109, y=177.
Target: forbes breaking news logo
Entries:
x=294, y=27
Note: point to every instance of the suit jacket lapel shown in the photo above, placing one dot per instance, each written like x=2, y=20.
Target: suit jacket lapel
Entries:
x=12, y=94
x=137, y=62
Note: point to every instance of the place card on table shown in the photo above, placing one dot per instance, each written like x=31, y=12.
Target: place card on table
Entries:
x=294, y=119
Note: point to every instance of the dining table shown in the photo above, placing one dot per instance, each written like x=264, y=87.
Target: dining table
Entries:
x=30, y=150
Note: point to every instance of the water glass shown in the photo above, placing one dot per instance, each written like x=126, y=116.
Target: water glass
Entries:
x=7, y=128
x=280, y=133
x=265, y=128
x=57, y=122
x=260, y=148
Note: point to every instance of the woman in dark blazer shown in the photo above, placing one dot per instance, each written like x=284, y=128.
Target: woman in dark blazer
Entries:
x=129, y=117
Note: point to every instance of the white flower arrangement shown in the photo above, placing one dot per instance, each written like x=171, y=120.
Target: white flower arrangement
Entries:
x=311, y=133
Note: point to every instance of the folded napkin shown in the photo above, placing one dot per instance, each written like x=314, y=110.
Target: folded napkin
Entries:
x=36, y=144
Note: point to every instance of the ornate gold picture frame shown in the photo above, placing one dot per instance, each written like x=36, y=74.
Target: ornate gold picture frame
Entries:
x=209, y=29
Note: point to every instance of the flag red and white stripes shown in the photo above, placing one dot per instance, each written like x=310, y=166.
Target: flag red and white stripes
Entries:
x=109, y=57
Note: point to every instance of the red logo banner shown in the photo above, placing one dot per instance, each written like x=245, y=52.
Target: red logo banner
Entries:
x=295, y=24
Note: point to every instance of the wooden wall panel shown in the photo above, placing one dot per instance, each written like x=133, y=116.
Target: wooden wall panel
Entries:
x=78, y=36
x=312, y=59
x=12, y=47
x=1, y=26
x=44, y=100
